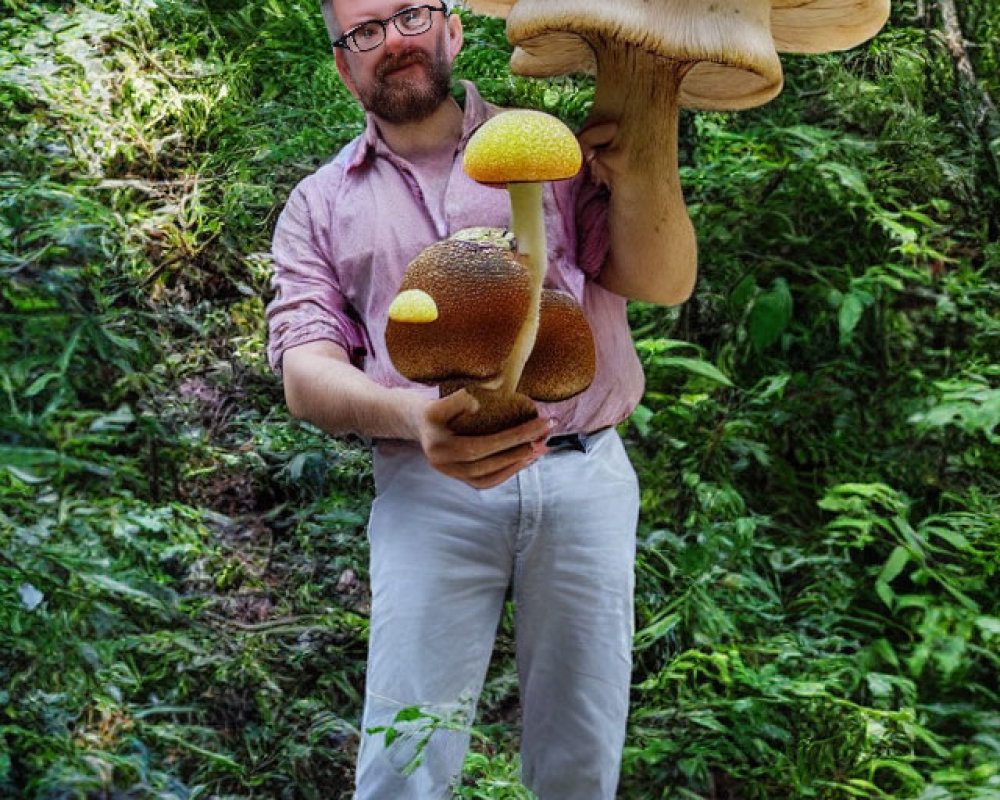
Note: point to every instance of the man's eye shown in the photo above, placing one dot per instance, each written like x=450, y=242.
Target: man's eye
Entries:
x=411, y=18
x=367, y=32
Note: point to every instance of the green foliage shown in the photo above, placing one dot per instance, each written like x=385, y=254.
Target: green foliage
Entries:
x=183, y=595
x=815, y=605
x=493, y=778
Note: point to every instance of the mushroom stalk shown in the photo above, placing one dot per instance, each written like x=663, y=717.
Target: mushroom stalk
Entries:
x=522, y=149
x=527, y=223
x=647, y=216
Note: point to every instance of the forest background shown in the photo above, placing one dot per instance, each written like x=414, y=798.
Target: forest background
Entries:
x=183, y=595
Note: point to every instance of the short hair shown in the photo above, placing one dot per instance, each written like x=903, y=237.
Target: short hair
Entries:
x=333, y=27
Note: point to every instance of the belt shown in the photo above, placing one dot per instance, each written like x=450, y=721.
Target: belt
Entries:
x=571, y=441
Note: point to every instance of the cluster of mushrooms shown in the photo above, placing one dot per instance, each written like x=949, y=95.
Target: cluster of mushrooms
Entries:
x=650, y=58
x=472, y=312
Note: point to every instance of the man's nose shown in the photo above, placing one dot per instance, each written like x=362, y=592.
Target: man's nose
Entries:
x=394, y=40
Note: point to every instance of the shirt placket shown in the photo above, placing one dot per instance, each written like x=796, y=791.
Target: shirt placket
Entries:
x=440, y=224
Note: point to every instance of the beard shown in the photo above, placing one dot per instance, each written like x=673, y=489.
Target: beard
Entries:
x=412, y=98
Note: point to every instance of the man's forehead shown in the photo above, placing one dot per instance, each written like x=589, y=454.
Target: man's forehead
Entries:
x=351, y=12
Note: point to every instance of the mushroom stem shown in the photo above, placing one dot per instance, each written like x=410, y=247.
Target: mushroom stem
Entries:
x=647, y=216
x=527, y=223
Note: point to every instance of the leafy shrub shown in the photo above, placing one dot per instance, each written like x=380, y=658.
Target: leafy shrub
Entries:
x=184, y=600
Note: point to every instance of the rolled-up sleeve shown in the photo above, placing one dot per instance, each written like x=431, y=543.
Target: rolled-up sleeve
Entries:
x=308, y=303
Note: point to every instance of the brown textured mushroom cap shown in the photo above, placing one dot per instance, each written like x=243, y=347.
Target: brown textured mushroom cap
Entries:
x=522, y=146
x=563, y=360
x=482, y=295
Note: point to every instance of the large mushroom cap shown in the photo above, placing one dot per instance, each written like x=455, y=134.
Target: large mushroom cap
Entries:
x=482, y=296
x=563, y=360
x=730, y=44
x=821, y=26
x=727, y=43
x=522, y=146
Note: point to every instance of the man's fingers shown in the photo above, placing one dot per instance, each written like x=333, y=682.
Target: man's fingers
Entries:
x=482, y=462
x=445, y=446
x=443, y=411
x=501, y=441
x=490, y=465
x=600, y=134
x=492, y=479
x=486, y=461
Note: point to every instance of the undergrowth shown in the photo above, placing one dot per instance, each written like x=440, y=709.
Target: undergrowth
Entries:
x=183, y=593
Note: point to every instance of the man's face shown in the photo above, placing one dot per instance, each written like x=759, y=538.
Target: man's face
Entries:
x=408, y=77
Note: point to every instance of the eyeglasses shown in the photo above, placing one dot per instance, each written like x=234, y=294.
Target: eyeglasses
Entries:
x=410, y=21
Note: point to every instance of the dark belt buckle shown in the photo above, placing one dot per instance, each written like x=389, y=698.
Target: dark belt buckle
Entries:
x=567, y=441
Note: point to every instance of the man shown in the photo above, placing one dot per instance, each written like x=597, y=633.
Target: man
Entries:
x=547, y=509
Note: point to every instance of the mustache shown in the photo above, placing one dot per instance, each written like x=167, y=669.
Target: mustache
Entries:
x=394, y=61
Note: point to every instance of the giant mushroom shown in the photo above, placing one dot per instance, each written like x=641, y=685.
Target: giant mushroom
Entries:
x=653, y=56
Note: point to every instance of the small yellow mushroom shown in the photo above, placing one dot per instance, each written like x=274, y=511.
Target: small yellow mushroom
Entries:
x=413, y=305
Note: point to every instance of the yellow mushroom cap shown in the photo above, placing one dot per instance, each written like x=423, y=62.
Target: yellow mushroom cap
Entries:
x=522, y=146
x=413, y=305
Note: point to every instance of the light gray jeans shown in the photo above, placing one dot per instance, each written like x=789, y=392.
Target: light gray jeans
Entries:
x=561, y=534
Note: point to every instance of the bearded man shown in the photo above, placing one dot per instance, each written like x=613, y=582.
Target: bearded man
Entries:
x=544, y=512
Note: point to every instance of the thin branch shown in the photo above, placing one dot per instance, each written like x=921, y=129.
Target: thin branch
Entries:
x=955, y=41
x=167, y=73
x=141, y=184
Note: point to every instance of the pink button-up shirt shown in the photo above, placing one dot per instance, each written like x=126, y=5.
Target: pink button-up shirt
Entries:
x=350, y=229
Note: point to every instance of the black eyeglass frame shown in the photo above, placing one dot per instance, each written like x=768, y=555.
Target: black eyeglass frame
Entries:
x=343, y=40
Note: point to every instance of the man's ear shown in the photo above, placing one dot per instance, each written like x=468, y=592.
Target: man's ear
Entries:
x=345, y=70
x=454, y=35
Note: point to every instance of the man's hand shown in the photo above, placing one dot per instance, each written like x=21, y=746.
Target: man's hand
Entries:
x=323, y=387
x=604, y=159
x=480, y=461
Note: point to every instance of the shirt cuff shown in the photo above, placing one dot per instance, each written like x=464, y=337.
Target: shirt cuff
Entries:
x=336, y=327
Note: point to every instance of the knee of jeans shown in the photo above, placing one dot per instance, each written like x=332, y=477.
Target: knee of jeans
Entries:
x=429, y=736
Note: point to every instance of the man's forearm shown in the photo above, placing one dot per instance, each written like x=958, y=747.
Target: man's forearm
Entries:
x=322, y=387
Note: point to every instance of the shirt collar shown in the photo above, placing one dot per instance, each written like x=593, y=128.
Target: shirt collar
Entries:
x=476, y=112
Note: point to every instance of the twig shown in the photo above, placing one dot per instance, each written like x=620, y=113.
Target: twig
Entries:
x=955, y=41
x=279, y=625
x=142, y=185
x=156, y=271
x=135, y=48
